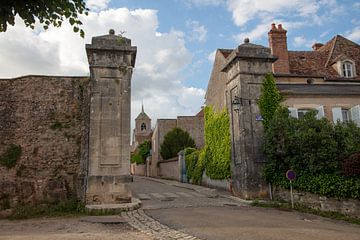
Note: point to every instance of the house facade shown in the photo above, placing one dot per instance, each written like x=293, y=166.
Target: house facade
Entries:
x=325, y=79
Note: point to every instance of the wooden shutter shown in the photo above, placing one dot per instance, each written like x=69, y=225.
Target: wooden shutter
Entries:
x=355, y=114
x=337, y=114
x=320, y=112
x=293, y=112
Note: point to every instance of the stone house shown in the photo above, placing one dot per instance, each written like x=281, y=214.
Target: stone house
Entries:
x=194, y=125
x=325, y=79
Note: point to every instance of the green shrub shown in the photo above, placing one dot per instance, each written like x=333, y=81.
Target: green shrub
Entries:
x=314, y=149
x=175, y=141
x=217, y=144
x=11, y=156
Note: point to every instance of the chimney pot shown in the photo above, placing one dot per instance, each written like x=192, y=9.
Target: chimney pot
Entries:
x=273, y=26
x=316, y=46
x=280, y=27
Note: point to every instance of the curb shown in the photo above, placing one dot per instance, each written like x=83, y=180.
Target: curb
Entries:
x=113, y=208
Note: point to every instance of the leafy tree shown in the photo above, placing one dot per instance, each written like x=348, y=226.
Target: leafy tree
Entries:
x=142, y=152
x=175, y=141
x=144, y=149
x=48, y=12
x=269, y=100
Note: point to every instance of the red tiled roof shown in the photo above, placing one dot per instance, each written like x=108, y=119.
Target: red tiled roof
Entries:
x=319, y=63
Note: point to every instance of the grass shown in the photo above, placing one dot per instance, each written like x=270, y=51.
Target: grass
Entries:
x=70, y=207
x=285, y=206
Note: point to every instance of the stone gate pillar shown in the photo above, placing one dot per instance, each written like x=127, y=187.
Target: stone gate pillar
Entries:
x=111, y=59
x=246, y=67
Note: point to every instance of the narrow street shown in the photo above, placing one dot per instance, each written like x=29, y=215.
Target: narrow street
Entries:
x=205, y=214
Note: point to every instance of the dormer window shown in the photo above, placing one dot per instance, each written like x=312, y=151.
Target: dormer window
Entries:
x=143, y=127
x=348, y=70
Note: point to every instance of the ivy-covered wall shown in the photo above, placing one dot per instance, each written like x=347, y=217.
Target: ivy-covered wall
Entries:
x=215, y=157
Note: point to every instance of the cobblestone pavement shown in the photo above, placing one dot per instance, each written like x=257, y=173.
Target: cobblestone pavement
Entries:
x=140, y=221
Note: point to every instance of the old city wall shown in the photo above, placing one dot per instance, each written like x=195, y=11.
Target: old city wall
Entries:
x=47, y=116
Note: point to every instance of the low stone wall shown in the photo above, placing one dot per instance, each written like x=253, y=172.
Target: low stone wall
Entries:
x=138, y=169
x=349, y=207
x=48, y=117
x=169, y=169
x=219, y=184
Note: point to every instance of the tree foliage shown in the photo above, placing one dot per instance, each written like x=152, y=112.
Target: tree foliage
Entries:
x=47, y=12
x=270, y=99
x=142, y=152
x=175, y=141
x=321, y=154
x=195, y=164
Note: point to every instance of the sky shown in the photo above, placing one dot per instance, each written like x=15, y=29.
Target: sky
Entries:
x=176, y=41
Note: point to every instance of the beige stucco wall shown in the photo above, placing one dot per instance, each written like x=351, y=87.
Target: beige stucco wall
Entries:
x=328, y=101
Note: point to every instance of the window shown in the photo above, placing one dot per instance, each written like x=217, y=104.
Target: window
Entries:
x=347, y=68
x=143, y=127
x=346, y=115
x=302, y=112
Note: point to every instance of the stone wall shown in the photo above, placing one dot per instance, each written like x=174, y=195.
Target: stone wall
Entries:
x=169, y=169
x=47, y=116
x=194, y=125
x=349, y=207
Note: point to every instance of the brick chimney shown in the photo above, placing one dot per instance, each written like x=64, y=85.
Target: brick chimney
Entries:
x=278, y=46
x=317, y=46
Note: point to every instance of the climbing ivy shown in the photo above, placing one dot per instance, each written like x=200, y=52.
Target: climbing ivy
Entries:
x=217, y=144
x=270, y=99
x=10, y=156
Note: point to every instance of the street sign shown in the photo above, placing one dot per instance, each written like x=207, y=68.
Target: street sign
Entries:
x=259, y=118
x=291, y=175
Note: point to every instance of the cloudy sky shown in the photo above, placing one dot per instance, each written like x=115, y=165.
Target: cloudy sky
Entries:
x=176, y=41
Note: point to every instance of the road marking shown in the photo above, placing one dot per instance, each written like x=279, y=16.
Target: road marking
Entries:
x=157, y=195
x=198, y=194
x=170, y=194
x=143, y=196
x=184, y=194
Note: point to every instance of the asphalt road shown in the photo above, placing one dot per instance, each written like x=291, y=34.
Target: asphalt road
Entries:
x=208, y=217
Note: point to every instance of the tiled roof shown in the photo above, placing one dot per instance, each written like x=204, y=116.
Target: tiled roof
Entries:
x=319, y=62
x=226, y=52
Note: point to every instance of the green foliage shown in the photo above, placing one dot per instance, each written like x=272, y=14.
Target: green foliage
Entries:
x=195, y=164
x=217, y=144
x=64, y=208
x=50, y=12
x=58, y=126
x=143, y=151
x=10, y=156
x=269, y=100
x=175, y=141
x=314, y=149
x=136, y=158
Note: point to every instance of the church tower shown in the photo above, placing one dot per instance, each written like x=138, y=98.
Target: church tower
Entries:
x=142, y=127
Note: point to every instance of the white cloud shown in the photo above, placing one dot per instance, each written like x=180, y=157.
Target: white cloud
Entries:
x=97, y=5
x=160, y=58
x=211, y=56
x=198, y=31
x=244, y=10
x=301, y=41
x=354, y=34
x=204, y=2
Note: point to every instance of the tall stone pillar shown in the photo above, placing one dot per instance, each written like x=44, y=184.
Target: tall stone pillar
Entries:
x=246, y=67
x=111, y=59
